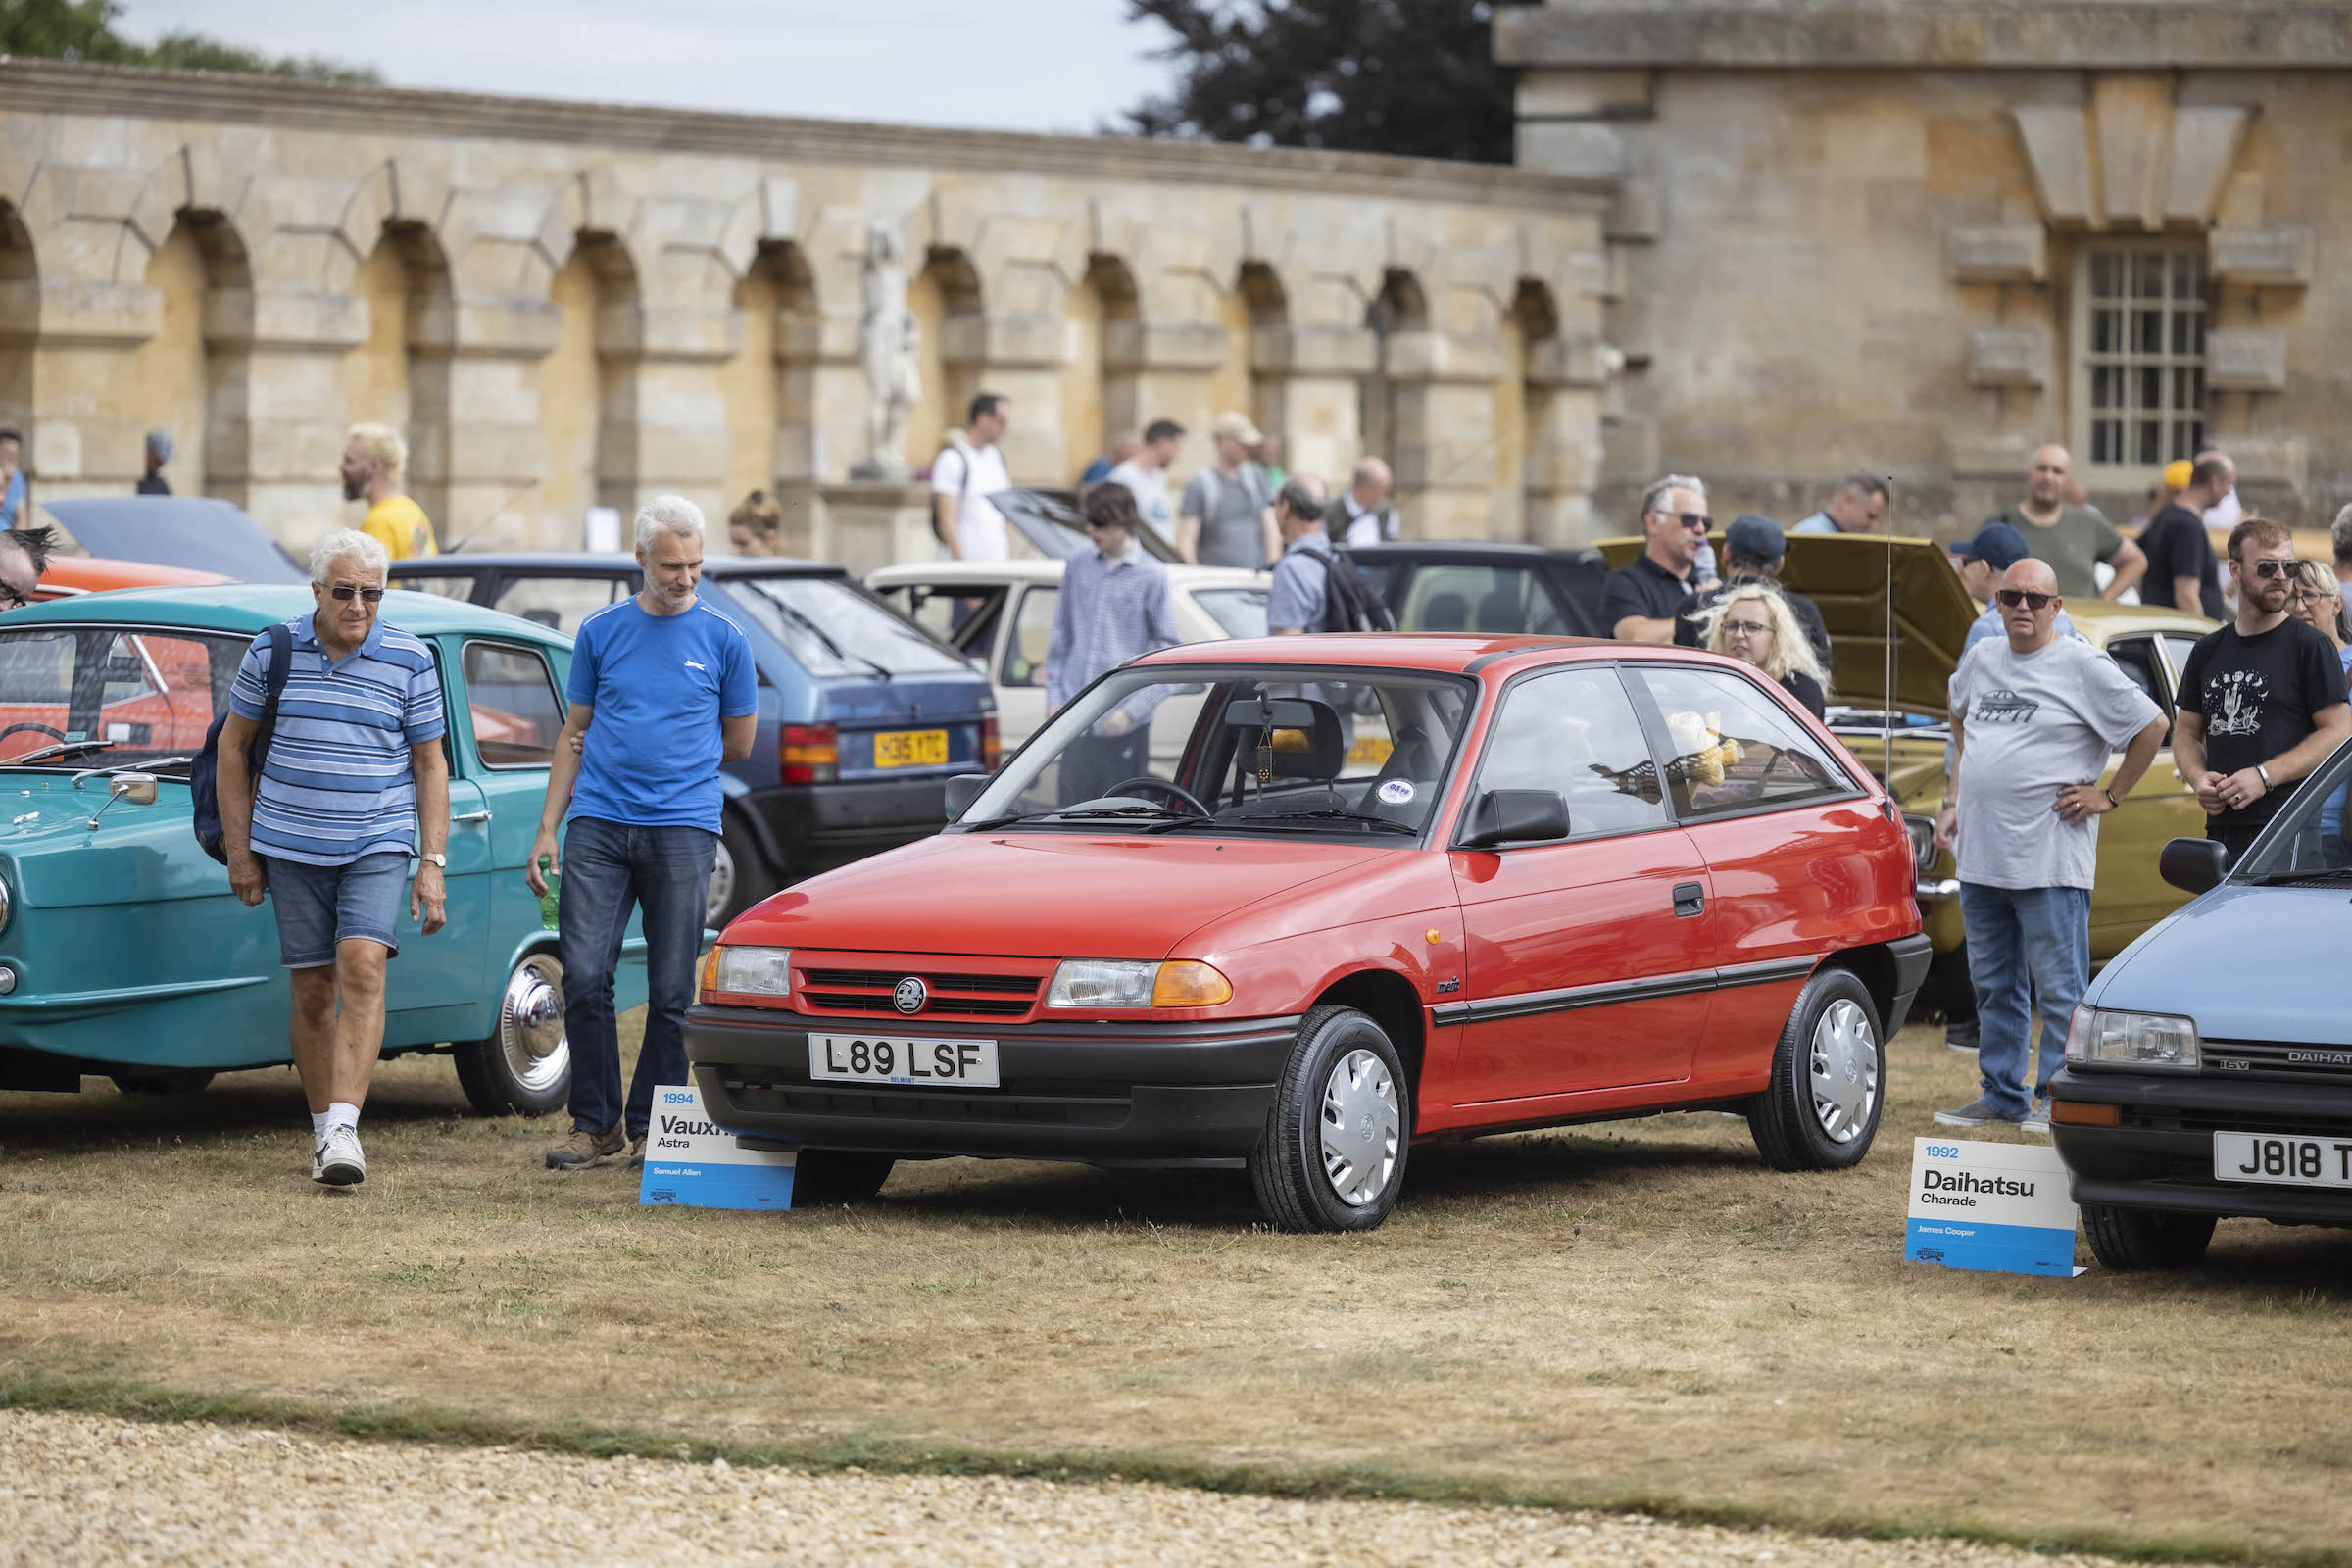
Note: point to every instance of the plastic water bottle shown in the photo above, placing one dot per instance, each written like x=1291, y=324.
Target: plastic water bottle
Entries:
x=550, y=901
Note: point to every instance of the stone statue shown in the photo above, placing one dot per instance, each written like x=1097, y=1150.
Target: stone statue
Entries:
x=889, y=347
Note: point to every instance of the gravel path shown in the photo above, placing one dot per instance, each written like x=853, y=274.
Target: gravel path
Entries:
x=86, y=1489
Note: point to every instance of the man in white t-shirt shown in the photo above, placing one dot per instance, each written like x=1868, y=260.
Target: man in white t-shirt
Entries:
x=1145, y=476
x=964, y=477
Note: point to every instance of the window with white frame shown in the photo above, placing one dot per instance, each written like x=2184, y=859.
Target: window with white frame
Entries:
x=2139, y=355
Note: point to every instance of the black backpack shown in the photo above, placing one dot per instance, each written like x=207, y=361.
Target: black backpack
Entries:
x=1348, y=602
x=204, y=785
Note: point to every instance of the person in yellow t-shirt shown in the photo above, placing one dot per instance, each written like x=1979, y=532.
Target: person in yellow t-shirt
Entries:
x=373, y=459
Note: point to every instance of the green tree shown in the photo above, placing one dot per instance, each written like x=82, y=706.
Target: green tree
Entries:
x=1415, y=77
x=85, y=29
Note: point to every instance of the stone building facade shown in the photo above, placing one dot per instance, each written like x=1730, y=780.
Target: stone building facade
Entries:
x=568, y=305
x=1918, y=237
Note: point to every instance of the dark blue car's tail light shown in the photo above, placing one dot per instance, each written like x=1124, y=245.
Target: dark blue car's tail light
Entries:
x=811, y=754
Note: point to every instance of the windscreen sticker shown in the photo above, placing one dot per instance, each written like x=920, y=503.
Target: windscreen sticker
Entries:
x=1396, y=791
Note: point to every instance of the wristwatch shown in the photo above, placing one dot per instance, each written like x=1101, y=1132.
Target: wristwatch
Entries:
x=437, y=859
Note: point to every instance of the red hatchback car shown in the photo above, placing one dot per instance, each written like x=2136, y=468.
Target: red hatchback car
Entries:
x=1298, y=904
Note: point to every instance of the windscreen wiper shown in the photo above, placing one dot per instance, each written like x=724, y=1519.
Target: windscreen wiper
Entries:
x=1060, y=815
x=1278, y=819
x=62, y=749
x=1330, y=813
x=810, y=626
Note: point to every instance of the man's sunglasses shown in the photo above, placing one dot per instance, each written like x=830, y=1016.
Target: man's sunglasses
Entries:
x=2267, y=569
x=1690, y=520
x=343, y=591
x=9, y=599
x=2011, y=597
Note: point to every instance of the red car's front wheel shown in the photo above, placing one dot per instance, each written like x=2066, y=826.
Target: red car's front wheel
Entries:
x=1333, y=1151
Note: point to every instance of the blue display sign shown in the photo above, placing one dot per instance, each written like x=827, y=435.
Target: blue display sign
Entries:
x=690, y=1161
x=2000, y=1207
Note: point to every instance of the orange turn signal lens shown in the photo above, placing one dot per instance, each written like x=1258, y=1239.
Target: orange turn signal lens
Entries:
x=1184, y=983
x=2075, y=1113
x=710, y=980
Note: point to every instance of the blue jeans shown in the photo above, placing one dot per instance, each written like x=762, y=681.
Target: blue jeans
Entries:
x=2024, y=943
x=608, y=866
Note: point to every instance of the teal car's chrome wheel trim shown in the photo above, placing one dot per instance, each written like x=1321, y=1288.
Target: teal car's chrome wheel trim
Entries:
x=530, y=1023
x=723, y=884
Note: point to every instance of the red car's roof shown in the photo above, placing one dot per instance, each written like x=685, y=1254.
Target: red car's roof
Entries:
x=1431, y=651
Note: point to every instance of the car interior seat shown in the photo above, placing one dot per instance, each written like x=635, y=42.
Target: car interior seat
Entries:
x=1500, y=611
x=1446, y=612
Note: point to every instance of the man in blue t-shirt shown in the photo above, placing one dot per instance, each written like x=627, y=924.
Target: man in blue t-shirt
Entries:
x=671, y=681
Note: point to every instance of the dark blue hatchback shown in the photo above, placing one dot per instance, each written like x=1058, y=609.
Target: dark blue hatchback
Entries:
x=863, y=715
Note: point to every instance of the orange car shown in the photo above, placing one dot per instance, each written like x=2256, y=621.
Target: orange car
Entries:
x=68, y=575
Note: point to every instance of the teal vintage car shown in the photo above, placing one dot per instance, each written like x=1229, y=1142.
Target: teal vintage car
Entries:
x=123, y=951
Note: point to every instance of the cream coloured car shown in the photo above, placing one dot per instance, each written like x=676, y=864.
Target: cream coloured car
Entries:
x=1000, y=615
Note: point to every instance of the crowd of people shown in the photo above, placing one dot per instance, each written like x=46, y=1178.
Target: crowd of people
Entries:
x=2037, y=712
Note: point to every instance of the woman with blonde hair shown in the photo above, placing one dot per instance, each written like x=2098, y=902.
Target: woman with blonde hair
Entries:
x=1754, y=625
x=2318, y=601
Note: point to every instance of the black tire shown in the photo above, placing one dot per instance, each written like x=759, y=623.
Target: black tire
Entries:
x=524, y=1067
x=824, y=1177
x=162, y=1080
x=1303, y=1185
x=2146, y=1237
x=1829, y=1076
x=740, y=875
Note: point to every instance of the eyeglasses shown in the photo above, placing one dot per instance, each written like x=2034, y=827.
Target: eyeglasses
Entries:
x=2011, y=597
x=1752, y=628
x=9, y=599
x=1697, y=520
x=343, y=591
x=2267, y=569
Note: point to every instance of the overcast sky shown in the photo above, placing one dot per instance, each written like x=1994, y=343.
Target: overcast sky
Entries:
x=1012, y=65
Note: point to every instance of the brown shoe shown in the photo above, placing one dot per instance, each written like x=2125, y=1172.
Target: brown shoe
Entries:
x=636, y=1161
x=584, y=1148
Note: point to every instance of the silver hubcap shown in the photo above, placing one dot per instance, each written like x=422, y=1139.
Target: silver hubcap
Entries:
x=722, y=885
x=1361, y=1127
x=1846, y=1071
x=530, y=1023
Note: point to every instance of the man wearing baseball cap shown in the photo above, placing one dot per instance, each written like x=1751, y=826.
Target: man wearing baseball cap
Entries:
x=1980, y=562
x=1226, y=517
x=1753, y=548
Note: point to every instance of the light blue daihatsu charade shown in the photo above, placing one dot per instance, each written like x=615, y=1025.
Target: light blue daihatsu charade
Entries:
x=2209, y=1070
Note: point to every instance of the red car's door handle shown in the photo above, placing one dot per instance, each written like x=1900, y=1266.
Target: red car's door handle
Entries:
x=1688, y=898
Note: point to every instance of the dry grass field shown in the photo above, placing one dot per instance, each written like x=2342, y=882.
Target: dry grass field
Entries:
x=1633, y=1314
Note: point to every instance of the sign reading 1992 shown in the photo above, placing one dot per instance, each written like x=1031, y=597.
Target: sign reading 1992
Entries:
x=896, y=1059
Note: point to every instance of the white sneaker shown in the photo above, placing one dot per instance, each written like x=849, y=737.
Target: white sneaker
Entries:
x=2037, y=1120
x=338, y=1161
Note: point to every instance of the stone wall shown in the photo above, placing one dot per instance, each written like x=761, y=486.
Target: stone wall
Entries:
x=1852, y=235
x=568, y=304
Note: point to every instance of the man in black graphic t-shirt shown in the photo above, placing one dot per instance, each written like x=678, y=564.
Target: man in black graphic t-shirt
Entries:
x=2262, y=699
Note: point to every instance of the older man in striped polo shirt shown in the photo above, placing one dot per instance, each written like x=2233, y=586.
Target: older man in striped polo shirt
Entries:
x=353, y=778
x=1113, y=607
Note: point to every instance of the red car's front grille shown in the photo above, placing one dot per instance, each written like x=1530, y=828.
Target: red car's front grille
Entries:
x=1019, y=985
x=937, y=1006
x=965, y=991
